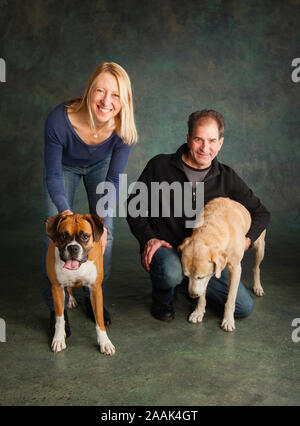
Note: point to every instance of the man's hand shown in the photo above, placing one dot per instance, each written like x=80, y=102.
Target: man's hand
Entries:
x=104, y=239
x=247, y=243
x=150, y=248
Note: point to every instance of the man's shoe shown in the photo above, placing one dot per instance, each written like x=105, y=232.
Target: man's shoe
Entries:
x=53, y=321
x=162, y=312
x=90, y=312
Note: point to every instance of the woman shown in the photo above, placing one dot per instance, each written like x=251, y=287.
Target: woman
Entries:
x=88, y=137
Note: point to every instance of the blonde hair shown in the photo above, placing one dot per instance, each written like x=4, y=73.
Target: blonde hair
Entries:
x=125, y=125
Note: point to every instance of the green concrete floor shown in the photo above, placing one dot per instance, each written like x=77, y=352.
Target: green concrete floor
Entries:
x=156, y=363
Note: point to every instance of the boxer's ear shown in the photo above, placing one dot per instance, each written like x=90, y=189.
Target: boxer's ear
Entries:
x=51, y=226
x=96, y=224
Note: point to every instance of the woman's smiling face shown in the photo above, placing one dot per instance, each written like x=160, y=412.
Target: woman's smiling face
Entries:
x=105, y=98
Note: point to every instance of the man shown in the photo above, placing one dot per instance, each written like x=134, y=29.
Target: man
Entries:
x=160, y=235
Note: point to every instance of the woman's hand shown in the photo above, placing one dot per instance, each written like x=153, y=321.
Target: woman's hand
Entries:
x=67, y=212
x=103, y=239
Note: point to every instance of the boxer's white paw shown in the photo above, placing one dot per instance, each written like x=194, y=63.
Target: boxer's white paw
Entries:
x=196, y=316
x=106, y=347
x=72, y=302
x=58, y=345
x=58, y=342
x=228, y=324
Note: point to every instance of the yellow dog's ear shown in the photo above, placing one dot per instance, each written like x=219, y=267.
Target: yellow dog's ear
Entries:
x=52, y=223
x=96, y=224
x=220, y=261
x=182, y=246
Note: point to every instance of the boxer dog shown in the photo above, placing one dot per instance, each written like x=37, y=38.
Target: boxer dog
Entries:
x=218, y=243
x=74, y=259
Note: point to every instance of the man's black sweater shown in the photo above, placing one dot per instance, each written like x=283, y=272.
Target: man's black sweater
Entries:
x=221, y=181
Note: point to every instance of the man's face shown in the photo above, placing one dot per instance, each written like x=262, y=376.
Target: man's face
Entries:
x=204, y=144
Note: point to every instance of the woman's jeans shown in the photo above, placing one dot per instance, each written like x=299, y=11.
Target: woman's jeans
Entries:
x=92, y=176
x=166, y=273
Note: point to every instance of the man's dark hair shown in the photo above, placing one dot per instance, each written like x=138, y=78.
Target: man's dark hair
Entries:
x=199, y=117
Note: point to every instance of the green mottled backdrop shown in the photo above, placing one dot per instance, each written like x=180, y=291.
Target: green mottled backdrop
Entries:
x=233, y=56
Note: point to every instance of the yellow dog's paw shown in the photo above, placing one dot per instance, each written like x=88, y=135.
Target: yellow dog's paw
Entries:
x=259, y=291
x=228, y=325
x=196, y=316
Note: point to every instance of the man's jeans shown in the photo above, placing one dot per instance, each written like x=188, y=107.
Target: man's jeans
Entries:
x=166, y=272
x=92, y=176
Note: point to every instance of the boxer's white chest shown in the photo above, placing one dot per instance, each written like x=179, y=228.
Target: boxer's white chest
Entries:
x=86, y=273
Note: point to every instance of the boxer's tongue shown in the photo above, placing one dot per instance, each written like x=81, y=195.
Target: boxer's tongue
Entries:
x=71, y=264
